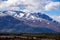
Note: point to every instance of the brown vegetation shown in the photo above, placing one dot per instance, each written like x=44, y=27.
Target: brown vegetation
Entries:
x=31, y=37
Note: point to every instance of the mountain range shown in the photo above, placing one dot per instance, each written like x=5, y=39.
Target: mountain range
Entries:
x=22, y=22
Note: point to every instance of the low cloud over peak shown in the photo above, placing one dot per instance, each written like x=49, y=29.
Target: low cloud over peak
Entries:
x=29, y=5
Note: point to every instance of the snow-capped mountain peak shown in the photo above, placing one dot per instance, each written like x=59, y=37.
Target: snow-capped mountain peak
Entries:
x=27, y=16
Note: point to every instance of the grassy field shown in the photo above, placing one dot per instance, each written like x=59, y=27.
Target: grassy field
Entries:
x=29, y=36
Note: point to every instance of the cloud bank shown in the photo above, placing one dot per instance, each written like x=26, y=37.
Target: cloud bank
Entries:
x=53, y=6
x=24, y=5
x=29, y=5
